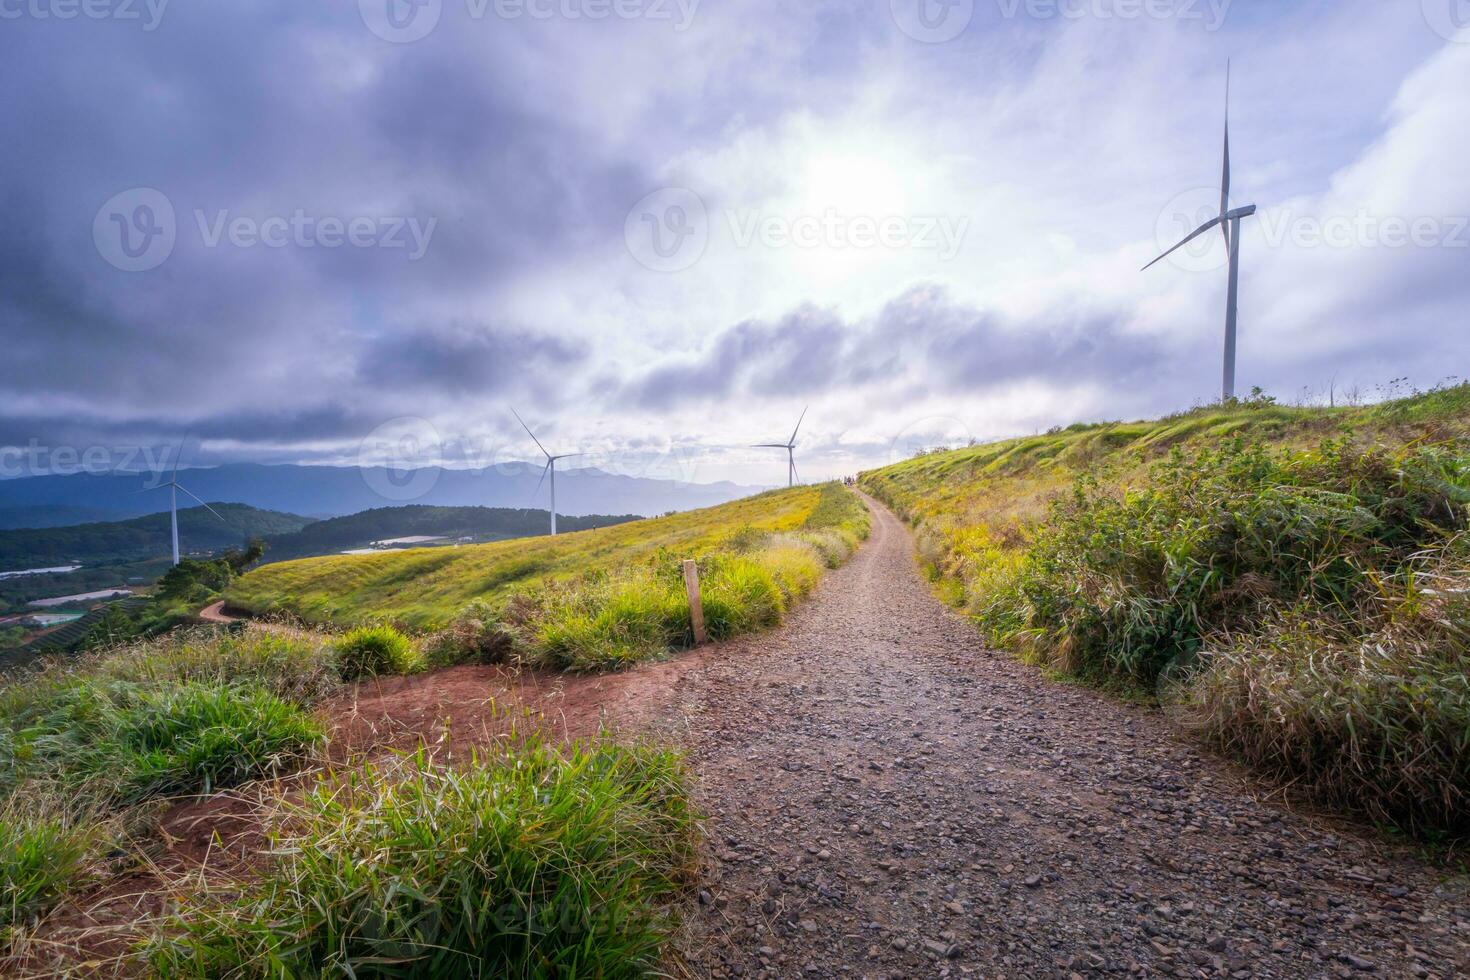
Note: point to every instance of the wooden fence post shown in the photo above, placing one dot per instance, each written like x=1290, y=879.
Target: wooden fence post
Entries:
x=696, y=608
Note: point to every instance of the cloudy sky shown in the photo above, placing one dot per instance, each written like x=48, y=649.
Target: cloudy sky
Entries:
x=309, y=231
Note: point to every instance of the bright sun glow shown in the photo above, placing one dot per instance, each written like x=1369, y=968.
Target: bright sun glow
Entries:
x=854, y=184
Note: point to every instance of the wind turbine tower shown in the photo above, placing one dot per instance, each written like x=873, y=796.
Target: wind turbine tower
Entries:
x=550, y=467
x=790, y=446
x=1229, y=222
x=174, y=486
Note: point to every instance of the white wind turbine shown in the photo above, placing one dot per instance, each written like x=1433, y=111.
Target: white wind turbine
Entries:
x=1229, y=222
x=790, y=446
x=174, y=486
x=550, y=467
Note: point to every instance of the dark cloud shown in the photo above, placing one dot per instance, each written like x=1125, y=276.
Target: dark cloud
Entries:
x=462, y=359
x=265, y=110
x=802, y=351
x=922, y=337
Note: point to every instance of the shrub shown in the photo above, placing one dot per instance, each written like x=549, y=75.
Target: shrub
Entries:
x=475, y=636
x=539, y=863
x=795, y=565
x=1376, y=723
x=38, y=858
x=370, y=651
x=1119, y=586
x=198, y=739
x=119, y=742
x=298, y=669
x=740, y=595
x=608, y=626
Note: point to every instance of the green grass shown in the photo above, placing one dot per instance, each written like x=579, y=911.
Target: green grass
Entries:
x=1263, y=566
x=536, y=863
x=370, y=651
x=428, y=588
x=596, y=600
x=39, y=859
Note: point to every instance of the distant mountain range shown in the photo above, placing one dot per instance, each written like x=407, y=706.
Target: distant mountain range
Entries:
x=334, y=491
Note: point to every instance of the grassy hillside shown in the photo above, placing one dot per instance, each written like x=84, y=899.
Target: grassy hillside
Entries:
x=381, y=523
x=1295, y=580
x=141, y=538
x=589, y=599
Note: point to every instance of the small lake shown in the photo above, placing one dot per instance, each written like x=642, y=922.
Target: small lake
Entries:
x=40, y=571
x=63, y=600
x=54, y=619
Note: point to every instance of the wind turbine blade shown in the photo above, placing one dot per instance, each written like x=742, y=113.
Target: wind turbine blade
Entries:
x=161, y=486
x=798, y=426
x=1225, y=179
x=201, y=501
x=546, y=469
x=795, y=471
x=771, y=445
x=1192, y=236
x=530, y=433
x=570, y=455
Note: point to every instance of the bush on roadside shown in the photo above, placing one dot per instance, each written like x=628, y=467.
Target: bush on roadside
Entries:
x=538, y=863
x=39, y=857
x=475, y=636
x=118, y=743
x=373, y=651
x=82, y=739
x=1376, y=723
x=1119, y=586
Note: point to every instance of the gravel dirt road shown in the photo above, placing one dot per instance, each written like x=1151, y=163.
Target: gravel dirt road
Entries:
x=889, y=799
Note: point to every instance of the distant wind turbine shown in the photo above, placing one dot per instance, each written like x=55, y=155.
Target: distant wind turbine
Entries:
x=790, y=446
x=1229, y=222
x=550, y=467
x=174, y=486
